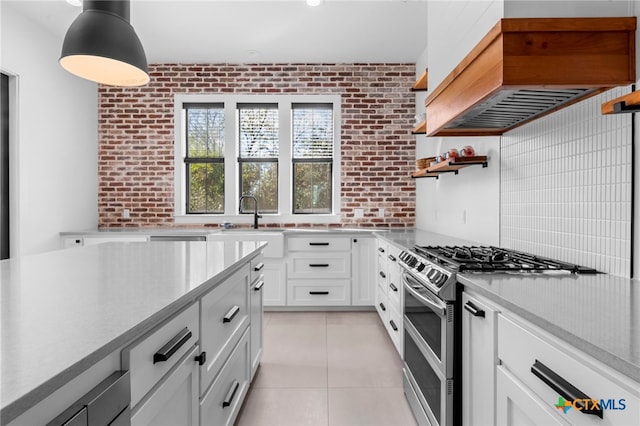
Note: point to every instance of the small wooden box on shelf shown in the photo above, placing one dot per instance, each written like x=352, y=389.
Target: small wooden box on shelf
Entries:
x=449, y=166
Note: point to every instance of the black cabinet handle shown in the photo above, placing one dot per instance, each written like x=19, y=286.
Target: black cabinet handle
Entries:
x=231, y=314
x=318, y=265
x=259, y=266
x=231, y=394
x=382, y=306
x=470, y=307
x=202, y=358
x=172, y=346
x=382, y=274
x=258, y=286
x=318, y=292
x=393, y=325
x=393, y=287
x=318, y=244
x=392, y=258
x=380, y=249
x=565, y=389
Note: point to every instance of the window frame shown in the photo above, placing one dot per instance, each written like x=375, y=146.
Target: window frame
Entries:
x=232, y=165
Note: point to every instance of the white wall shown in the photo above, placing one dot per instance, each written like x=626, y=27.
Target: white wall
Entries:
x=55, y=188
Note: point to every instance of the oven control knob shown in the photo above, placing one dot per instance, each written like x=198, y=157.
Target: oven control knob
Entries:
x=441, y=280
x=420, y=267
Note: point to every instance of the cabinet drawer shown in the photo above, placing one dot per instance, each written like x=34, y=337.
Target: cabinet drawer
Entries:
x=522, y=348
x=382, y=305
x=394, y=290
x=256, y=268
x=170, y=341
x=381, y=248
x=223, y=400
x=224, y=316
x=320, y=265
x=395, y=328
x=318, y=292
x=319, y=243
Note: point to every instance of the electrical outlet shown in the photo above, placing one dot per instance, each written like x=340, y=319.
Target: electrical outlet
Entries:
x=380, y=212
x=125, y=214
x=358, y=213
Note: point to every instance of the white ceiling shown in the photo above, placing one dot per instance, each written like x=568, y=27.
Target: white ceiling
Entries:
x=241, y=31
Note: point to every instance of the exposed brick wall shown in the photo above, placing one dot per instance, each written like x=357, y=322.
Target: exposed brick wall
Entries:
x=136, y=137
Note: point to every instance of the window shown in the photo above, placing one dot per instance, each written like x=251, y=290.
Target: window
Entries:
x=281, y=149
x=205, y=158
x=259, y=149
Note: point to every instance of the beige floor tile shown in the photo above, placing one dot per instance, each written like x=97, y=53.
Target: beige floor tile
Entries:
x=284, y=407
x=369, y=407
x=353, y=318
x=361, y=356
x=293, y=357
x=297, y=318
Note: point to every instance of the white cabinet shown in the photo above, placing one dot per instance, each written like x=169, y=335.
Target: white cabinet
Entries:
x=221, y=403
x=256, y=313
x=389, y=291
x=175, y=400
x=89, y=240
x=479, y=360
x=275, y=279
x=538, y=369
x=363, y=280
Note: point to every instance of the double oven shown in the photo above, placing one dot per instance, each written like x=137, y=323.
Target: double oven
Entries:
x=431, y=355
x=432, y=319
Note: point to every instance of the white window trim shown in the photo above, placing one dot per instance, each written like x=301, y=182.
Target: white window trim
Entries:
x=285, y=205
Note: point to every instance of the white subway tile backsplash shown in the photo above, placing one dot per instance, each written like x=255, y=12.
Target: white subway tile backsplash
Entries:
x=566, y=186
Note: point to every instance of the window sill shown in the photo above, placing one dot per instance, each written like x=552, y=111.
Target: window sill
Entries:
x=247, y=219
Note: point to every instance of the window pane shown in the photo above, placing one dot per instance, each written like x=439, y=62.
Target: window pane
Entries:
x=312, y=131
x=261, y=181
x=258, y=131
x=205, y=132
x=312, y=188
x=206, y=187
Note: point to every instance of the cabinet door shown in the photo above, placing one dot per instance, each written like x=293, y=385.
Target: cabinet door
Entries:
x=363, y=284
x=518, y=405
x=256, y=324
x=479, y=360
x=275, y=283
x=175, y=400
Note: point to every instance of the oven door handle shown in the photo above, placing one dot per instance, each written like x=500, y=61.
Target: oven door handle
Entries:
x=439, y=307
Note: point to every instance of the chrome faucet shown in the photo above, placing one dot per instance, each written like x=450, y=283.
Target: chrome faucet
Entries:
x=256, y=216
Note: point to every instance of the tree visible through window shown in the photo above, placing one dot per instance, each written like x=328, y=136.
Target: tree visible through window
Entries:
x=205, y=158
x=312, y=158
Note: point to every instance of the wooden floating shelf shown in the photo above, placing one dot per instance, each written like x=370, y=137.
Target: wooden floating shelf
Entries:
x=451, y=166
x=420, y=129
x=627, y=103
x=421, y=82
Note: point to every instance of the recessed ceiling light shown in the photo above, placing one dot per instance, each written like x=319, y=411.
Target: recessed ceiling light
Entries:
x=76, y=3
x=314, y=2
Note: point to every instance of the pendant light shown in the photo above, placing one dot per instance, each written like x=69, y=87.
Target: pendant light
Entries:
x=102, y=46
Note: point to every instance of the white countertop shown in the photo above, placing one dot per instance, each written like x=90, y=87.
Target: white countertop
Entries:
x=64, y=310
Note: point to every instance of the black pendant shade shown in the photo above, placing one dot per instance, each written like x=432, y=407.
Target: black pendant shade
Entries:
x=102, y=46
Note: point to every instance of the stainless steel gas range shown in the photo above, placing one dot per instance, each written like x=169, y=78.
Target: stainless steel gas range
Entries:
x=432, y=345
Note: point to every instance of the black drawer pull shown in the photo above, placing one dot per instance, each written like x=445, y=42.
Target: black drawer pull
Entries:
x=318, y=265
x=393, y=287
x=380, y=249
x=382, y=274
x=202, y=358
x=318, y=292
x=393, y=325
x=392, y=258
x=172, y=346
x=318, y=244
x=231, y=314
x=470, y=307
x=384, y=308
x=258, y=286
x=565, y=389
x=231, y=394
x=259, y=266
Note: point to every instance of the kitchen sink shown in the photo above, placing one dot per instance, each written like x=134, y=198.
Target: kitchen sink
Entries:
x=274, y=239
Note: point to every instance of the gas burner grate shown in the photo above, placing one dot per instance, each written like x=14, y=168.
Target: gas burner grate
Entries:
x=495, y=259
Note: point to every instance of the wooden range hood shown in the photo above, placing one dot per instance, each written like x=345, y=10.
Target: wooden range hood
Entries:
x=525, y=68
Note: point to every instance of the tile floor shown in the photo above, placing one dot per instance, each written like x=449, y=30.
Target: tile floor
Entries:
x=326, y=368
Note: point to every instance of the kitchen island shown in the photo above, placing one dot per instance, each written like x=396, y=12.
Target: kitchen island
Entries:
x=65, y=311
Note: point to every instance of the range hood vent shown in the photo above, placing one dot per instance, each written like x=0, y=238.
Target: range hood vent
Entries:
x=526, y=68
